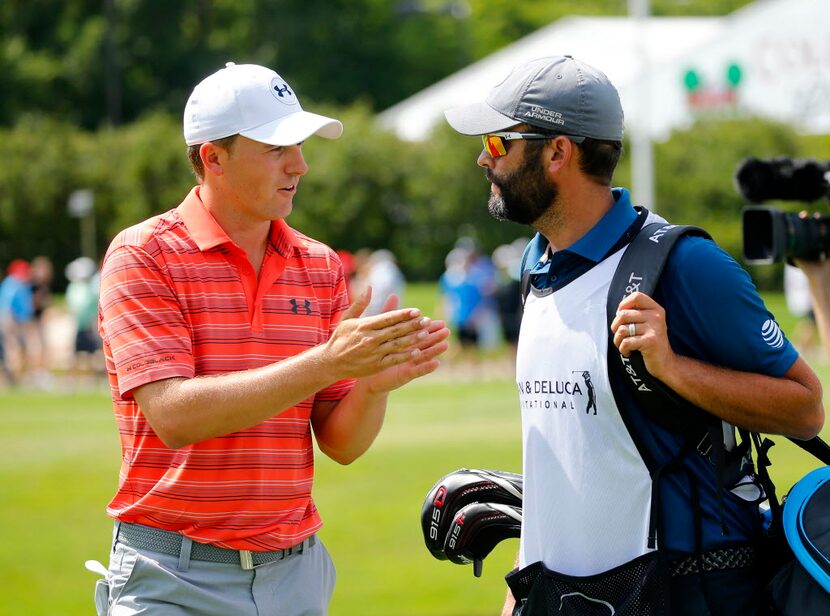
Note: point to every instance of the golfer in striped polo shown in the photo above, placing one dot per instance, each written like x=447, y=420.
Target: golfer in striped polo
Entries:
x=229, y=338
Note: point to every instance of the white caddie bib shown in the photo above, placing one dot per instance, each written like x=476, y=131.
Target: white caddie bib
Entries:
x=587, y=491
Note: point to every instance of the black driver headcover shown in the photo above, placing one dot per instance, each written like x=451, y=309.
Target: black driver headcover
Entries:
x=477, y=528
x=458, y=489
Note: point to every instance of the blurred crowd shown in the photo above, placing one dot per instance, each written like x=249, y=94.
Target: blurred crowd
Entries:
x=46, y=344
x=373, y=268
x=41, y=341
x=479, y=293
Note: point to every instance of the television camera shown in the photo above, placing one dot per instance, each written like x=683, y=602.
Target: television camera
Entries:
x=771, y=235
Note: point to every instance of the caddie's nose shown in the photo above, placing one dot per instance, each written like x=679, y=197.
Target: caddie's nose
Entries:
x=485, y=160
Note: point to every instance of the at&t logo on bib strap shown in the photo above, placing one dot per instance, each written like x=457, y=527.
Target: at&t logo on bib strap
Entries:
x=655, y=237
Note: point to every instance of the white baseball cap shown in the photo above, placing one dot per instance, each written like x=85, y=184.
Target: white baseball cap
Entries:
x=252, y=101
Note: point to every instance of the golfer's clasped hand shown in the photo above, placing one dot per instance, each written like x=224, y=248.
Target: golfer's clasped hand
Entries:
x=640, y=325
x=363, y=346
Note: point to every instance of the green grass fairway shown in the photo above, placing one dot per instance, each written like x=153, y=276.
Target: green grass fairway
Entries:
x=59, y=460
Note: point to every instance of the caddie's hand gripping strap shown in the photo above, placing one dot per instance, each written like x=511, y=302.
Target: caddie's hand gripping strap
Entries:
x=639, y=270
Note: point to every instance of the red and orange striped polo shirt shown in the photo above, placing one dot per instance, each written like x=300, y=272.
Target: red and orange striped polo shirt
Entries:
x=180, y=299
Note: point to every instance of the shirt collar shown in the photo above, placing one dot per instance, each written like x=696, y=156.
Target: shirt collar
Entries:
x=208, y=233
x=598, y=241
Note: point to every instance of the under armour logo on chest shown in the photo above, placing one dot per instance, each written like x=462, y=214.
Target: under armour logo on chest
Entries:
x=297, y=305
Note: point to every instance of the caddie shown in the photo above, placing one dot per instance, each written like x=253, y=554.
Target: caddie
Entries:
x=599, y=474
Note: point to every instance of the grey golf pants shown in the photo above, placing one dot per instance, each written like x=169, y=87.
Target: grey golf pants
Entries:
x=144, y=582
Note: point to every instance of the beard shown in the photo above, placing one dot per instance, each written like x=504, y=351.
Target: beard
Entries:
x=525, y=194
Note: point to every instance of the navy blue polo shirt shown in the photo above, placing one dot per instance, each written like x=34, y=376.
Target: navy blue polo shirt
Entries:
x=713, y=313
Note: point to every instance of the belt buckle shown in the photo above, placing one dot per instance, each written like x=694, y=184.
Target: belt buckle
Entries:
x=246, y=561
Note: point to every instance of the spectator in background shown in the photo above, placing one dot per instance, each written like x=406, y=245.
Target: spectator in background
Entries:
x=377, y=269
x=468, y=286
x=385, y=279
x=818, y=279
x=460, y=297
x=507, y=259
x=484, y=276
x=82, y=302
x=41, y=283
x=359, y=278
x=799, y=303
x=349, y=263
x=17, y=314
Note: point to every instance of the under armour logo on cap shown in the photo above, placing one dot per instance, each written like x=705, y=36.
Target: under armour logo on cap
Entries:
x=282, y=92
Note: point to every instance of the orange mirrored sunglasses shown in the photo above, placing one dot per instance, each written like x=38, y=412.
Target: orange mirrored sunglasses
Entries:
x=495, y=144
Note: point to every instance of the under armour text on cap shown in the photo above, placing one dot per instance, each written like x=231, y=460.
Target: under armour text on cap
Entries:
x=252, y=101
x=557, y=93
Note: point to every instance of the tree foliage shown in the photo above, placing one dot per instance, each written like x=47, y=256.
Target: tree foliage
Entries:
x=91, y=96
x=367, y=189
x=90, y=62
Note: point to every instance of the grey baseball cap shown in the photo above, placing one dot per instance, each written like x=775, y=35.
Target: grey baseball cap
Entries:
x=557, y=93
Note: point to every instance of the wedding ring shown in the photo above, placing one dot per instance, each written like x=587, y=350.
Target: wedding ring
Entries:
x=632, y=329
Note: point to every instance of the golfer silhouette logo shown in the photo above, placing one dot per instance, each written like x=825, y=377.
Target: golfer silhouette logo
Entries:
x=592, y=398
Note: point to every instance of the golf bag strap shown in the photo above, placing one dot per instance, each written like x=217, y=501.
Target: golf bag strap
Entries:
x=525, y=283
x=639, y=270
x=815, y=446
x=763, y=462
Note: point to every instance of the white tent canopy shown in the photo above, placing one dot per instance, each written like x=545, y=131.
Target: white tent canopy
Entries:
x=781, y=49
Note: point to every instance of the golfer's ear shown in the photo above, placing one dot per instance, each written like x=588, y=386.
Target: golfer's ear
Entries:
x=212, y=158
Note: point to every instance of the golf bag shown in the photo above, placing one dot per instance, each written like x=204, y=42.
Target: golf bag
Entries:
x=802, y=586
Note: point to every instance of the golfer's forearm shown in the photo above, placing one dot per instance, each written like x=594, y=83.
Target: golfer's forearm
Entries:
x=186, y=411
x=345, y=431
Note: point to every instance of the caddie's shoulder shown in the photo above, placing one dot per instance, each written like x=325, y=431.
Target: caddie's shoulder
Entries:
x=697, y=249
x=700, y=266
